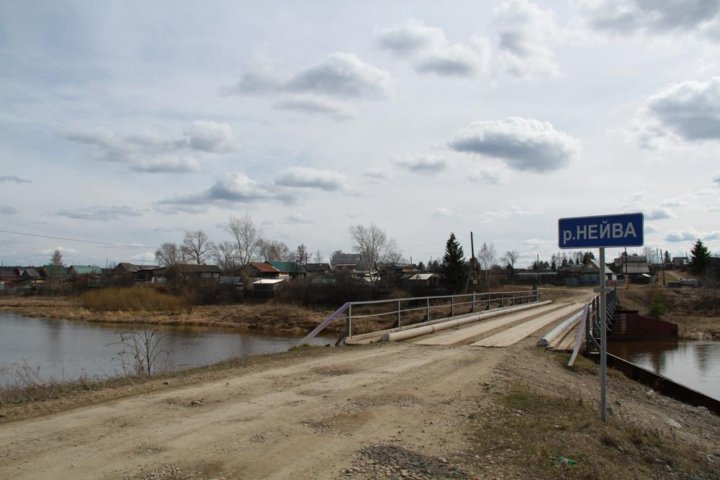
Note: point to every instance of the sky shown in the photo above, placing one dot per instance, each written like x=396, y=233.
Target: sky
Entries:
x=124, y=124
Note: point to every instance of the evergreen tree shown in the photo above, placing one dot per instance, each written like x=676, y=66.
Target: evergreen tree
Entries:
x=453, y=265
x=700, y=258
x=668, y=259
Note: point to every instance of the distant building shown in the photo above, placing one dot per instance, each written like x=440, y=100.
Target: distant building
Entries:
x=288, y=269
x=346, y=262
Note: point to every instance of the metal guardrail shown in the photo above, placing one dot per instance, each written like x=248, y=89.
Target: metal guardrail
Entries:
x=417, y=310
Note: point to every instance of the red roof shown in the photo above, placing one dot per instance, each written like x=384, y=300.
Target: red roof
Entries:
x=264, y=267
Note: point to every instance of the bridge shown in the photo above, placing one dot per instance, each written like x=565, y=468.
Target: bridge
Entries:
x=489, y=319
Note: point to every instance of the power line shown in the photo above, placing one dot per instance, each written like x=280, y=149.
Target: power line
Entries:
x=68, y=239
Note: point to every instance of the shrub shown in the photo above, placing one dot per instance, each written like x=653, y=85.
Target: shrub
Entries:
x=137, y=298
x=657, y=305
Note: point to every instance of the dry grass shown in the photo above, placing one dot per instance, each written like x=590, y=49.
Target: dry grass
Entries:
x=137, y=298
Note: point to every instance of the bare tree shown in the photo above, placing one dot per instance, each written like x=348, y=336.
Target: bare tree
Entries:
x=196, y=246
x=301, y=254
x=56, y=260
x=225, y=255
x=373, y=245
x=392, y=253
x=487, y=257
x=275, y=251
x=246, y=237
x=319, y=257
x=510, y=257
x=144, y=349
x=169, y=255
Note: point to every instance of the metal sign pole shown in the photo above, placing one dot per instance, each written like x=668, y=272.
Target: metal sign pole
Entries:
x=603, y=339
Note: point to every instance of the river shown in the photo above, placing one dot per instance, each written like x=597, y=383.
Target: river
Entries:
x=43, y=349
x=695, y=364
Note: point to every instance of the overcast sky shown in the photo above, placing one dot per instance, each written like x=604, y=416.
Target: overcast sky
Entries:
x=127, y=123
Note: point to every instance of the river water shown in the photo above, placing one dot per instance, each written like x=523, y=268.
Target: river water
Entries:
x=695, y=364
x=62, y=350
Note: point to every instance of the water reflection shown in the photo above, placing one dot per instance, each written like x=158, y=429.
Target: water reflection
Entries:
x=66, y=350
x=695, y=364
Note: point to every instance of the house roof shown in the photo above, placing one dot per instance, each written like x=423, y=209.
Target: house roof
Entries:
x=269, y=281
x=422, y=276
x=132, y=268
x=85, y=269
x=317, y=267
x=192, y=268
x=346, y=259
x=287, y=267
x=31, y=272
x=264, y=267
x=9, y=273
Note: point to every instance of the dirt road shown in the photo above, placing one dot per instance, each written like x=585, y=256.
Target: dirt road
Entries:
x=302, y=420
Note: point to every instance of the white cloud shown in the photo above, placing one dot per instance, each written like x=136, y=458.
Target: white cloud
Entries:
x=455, y=60
x=7, y=210
x=314, y=106
x=689, y=111
x=62, y=250
x=377, y=173
x=101, y=213
x=409, y=38
x=431, y=52
x=442, y=212
x=526, y=33
x=147, y=152
x=232, y=188
x=485, y=175
x=340, y=75
x=650, y=228
x=211, y=137
x=716, y=179
x=651, y=16
x=298, y=218
x=659, y=214
x=423, y=164
x=523, y=144
x=303, y=177
x=13, y=179
x=690, y=234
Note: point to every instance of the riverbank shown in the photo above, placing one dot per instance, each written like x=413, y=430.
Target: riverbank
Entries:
x=381, y=411
x=268, y=317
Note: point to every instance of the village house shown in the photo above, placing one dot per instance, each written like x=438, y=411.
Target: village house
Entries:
x=288, y=269
x=633, y=268
x=135, y=273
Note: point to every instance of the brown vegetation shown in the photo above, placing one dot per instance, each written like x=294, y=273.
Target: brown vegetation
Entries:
x=695, y=310
x=134, y=299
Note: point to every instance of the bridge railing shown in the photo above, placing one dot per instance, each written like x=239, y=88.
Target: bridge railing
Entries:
x=400, y=312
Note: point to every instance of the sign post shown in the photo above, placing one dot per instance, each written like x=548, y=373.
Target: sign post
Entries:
x=624, y=230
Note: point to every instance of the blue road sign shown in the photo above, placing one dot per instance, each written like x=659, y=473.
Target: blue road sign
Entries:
x=625, y=230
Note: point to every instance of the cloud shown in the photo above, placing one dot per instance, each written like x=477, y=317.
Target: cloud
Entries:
x=485, y=175
x=314, y=106
x=302, y=177
x=377, y=174
x=716, y=179
x=442, y=212
x=340, y=75
x=62, y=250
x=298, y=218
x=102, y=214
x=147, y=152
x=659, y=214
x=690, y=234
x=651, y=16
x=211, y=137
x=689, y=110
x=13, y=179
x=650, y=228
x=526, y=32
x=409, y=38
x=523, y=144
x=7, y=210
x=423, y=164
x=430, y=51
x=232, y=188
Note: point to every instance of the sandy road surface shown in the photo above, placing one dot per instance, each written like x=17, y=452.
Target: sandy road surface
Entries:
x=303, y=419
